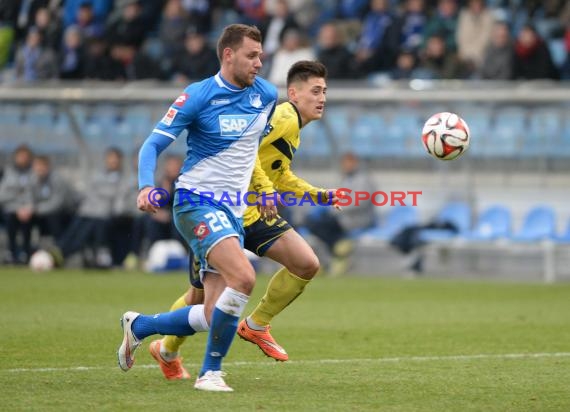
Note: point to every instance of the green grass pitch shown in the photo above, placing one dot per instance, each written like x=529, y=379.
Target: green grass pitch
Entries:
x=355, y=344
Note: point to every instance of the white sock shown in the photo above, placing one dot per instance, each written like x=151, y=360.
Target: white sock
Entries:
x=253, y=325
x=197, y=319
x=167, y=356
x=232, y=302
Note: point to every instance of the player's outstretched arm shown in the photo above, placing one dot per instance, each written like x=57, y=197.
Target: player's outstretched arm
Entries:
x=290, y=182
x=148, y=155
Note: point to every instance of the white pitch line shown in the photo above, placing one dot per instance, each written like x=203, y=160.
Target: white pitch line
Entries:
x=325, y=361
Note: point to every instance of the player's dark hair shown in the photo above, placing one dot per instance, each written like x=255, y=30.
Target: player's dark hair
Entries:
x=303, y=70
x=233, y=36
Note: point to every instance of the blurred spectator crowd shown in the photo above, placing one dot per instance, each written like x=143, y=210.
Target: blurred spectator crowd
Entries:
x=175, y=39
x=41, y=208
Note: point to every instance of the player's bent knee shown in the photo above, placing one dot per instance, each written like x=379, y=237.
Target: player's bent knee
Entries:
x=307, y=267
x=242, y=281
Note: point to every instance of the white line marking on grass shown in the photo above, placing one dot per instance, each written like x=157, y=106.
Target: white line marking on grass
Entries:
x=326, y=361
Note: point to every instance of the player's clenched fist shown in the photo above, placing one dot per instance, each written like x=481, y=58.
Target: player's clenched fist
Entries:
x=143, y=200
x=332, y=197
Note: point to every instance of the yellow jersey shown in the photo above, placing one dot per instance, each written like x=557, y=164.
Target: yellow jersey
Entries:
x=276, y=152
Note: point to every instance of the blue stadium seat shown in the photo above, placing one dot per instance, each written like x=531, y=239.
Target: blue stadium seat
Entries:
x=367, y=134
x=404, y=133
x=105, y=114
x=539, y=224
x=478, y=119
x=337, y=118
x=561, y=145
x=314, y=141
x=11, y=116
x=11, y=113
x=509, y=126
x=140, y=119
x=545, y=127
x=494, y=223
x=398, y=218
x=40, y=115
x=456, y=213
x=38, y=124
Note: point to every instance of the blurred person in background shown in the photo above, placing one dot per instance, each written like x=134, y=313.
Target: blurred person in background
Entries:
x=532, y=57
x=88, y=25
x=474, y=29
x=499, y=55
x=351, y=9
x=437, y=62
x=130, y=63
x=172, y=29
x=293, y=49
x=91, y=224
x=379, y=39
x=335, y=229
x=444, y=24
x=130, y=27
x=197, y=60
x=101, y=10
x=16, y=198
x=333, y=53
x=274, y=27
x=34, y=61
x=53, y=199
x=72, y=55
x=411, y=24
x=26, y=14
x=251, y=11
x=98, y=63
x=405, y=66
x=49, y=26
x=200, y=13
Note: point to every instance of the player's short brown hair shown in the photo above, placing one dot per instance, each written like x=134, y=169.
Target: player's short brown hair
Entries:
x=233, y=36
x=303, y=70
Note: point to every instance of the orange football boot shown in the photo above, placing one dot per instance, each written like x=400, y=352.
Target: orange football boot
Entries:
x=264, y=340
x=171, y=370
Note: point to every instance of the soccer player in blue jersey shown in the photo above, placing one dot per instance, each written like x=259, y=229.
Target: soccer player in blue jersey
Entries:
x=275, y=239
x=225, y=116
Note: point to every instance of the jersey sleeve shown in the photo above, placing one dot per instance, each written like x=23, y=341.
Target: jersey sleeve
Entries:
x=149, y=152
x=181, y=113
x=260, y=183
x=289, y=182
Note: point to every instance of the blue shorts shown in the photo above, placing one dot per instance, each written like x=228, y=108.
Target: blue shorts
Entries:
x=203, y=224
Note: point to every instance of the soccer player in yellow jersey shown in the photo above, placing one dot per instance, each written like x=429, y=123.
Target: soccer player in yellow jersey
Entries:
x=276, y=239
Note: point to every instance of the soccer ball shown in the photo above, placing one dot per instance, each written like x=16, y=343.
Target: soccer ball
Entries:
x=445, y=136
x=41, y=261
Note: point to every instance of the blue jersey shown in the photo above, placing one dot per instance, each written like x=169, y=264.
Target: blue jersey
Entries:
x=225, y=125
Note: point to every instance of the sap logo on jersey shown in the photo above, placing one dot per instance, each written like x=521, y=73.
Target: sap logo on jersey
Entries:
x=235, y=124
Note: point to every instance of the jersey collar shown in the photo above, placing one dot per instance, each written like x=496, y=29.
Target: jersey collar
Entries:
x=224, y=83
x=299, y=120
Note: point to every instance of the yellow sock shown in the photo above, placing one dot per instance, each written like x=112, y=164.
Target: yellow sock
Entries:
x=283, y=288
x=173, y=343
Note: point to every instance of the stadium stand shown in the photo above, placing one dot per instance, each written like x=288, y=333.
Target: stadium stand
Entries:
x=492, y=224
x=518, y=156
